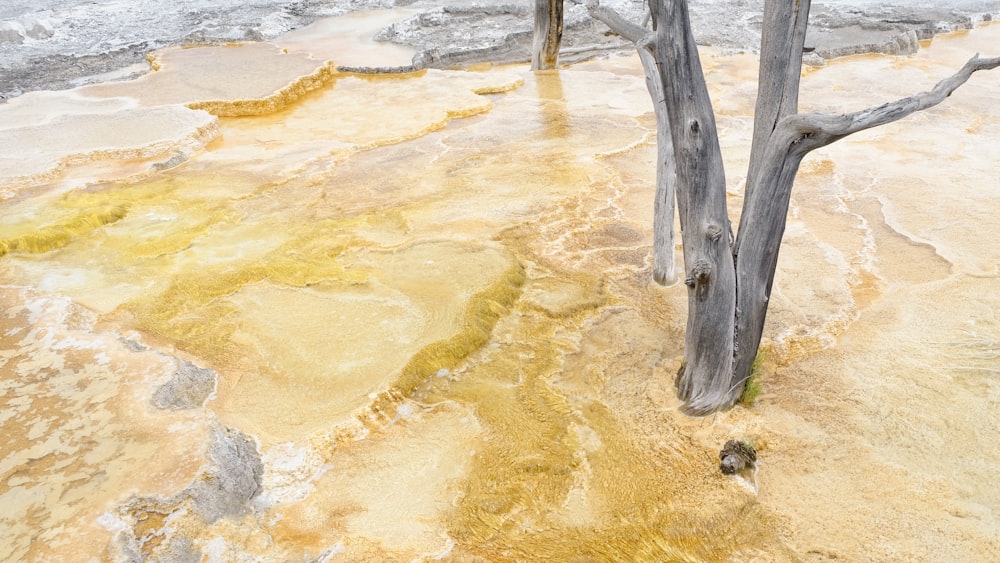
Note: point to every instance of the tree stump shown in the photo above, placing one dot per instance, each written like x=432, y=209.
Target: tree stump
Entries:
x=737, y=456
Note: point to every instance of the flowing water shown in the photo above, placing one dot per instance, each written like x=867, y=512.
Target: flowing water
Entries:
x=256, y=309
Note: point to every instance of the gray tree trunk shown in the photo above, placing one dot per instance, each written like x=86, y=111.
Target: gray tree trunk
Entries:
x=664, y=266
x=547, y=34
x=777, y=97
x=729, y=284
x=706, y=377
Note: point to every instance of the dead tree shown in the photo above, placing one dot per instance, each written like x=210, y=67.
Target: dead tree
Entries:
x=729, y=279
x=664, y=271
x=547, y=34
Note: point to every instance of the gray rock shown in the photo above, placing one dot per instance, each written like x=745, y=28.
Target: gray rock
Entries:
x=179, y=550
x=848, y=27
x=812, y=59
x=228, y=489
x=225, y=489
x=189, y=388
x=253, y=35
x=133, y=345
x=11, y=33
x=38, y=30
x=172, y=162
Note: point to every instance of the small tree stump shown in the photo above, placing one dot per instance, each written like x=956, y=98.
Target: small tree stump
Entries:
x=737, y=456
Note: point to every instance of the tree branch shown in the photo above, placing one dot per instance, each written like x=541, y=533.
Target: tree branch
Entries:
x=759, y=238
x=616, y=22
x=813, y=131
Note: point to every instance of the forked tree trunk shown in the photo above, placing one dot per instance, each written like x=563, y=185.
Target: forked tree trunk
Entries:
x=547, y=34
x=729, y=284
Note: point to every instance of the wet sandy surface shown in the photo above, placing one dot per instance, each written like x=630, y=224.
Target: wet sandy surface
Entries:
x=422, y=326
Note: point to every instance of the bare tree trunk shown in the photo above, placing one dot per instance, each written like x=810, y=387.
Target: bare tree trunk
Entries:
x=764, y=210
x=547, y=34
x=664, y=268
x=729, y=288
x=765, y=206
x=778, y=77
x=706, y=377
x=690, y=162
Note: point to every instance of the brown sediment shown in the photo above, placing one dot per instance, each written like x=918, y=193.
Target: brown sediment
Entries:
x=558, y=473
x=234, y=80
x=88, y=131
x=74, y=437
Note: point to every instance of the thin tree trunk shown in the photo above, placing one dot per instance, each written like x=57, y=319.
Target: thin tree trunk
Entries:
x=778, y=78
x=547, y=34
x=664, y=268
x=664, y=264
x=764, y=209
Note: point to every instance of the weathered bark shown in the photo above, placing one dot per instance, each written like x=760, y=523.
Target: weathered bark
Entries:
x=690, y=162
x=626, y=29
x=664, y=268
x=704, y=382
x=781, y=44
x=729, y=288
x=778, y=78
x=547, y=34
x=760, y=236
x=664, y=264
